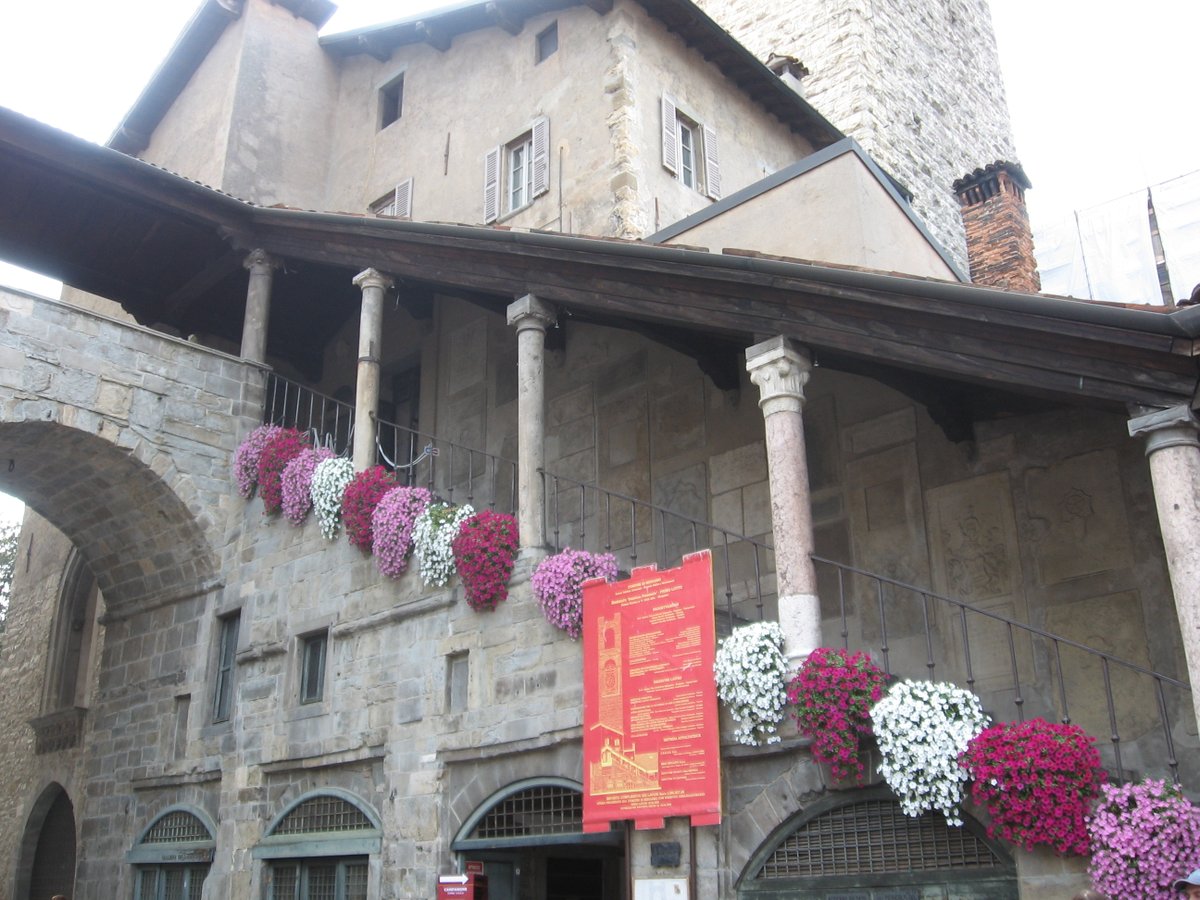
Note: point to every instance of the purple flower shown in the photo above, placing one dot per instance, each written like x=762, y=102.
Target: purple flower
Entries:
x=245, y=458
x=392, y=527
x=558, y=585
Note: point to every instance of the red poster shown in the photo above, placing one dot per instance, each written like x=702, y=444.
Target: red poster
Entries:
x=651, y=739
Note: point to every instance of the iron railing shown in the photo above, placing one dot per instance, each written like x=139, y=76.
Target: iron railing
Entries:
x=1004, y=660
x=1032, y=659
x=293, y=406
x=448, y=469
x=587, y=517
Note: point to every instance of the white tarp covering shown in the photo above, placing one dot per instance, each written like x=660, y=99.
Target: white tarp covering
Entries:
x=1106, y=253
x=1177, y=205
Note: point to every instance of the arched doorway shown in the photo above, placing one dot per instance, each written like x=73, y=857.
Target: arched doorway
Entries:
x=48, y=850
x=865, y=848
x=529, y=837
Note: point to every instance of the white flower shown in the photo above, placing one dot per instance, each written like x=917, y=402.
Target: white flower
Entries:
x=750, y=671
x=922, y=728
x=329, y=481
x=434, y=532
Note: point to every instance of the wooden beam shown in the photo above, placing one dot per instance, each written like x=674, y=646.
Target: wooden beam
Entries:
x=503, y=18
x=433, y=36
x=372, y=46
x=217, y=270
x=600, y=7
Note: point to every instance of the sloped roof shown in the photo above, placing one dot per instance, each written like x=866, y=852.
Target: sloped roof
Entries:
x=170, y=250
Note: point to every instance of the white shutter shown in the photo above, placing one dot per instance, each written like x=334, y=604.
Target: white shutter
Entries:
x=670, y=135
x=541, y=156
x=491, y=185
x=402, y=199
x=712, y=164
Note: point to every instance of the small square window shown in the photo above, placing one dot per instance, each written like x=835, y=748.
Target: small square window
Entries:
x=547, y=42
x=458, y=676
x=391, y=102
x=312, y=667
x=226, y=651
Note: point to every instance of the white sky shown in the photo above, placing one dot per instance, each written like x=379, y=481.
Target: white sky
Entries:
x=1102, y=96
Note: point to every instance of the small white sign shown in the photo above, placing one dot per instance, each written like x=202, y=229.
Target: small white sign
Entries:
x=660, y=889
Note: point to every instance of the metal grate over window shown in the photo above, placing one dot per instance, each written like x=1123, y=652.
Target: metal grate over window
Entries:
x=536, y=811
x=323, y=813
x=177, y=827
x=875, y=837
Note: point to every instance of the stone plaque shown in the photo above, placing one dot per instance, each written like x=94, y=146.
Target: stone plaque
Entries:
x=1114, y=624
x=976, y=559
x=895, y=428
x=1077, y=517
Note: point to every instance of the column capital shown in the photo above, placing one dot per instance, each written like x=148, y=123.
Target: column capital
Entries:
x=260, y=260
x=369, y=278
x=780, y=367
x=531, y=312
x=1174, y=427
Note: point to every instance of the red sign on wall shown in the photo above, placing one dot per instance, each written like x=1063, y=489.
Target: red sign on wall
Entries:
x=651, y=739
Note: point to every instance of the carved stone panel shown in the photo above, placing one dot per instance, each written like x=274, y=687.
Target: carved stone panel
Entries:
x=1114, y=624
x=976, y=559
x=888, y=531
x=1077, y=518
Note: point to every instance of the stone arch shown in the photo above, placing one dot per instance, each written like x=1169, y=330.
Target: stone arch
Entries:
x=46, y=864
x=138, y=523
x=862, y=842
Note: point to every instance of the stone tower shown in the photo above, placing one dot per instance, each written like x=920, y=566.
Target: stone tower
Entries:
x=916, y=82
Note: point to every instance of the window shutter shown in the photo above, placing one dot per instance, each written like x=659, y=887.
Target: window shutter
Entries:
x=402, y=200
x=670, y=137
x=541, y=156
x=712, y=164
x=491, y=185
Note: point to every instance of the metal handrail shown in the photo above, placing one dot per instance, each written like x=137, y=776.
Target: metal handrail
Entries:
x=292, y=405
x=1011, y=626
x=603, y=503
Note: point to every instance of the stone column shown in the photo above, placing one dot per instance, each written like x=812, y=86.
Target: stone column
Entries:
x=531, y=317
x=1173, y=452
x=366, y=394
x=781, y=368
x=258, y=305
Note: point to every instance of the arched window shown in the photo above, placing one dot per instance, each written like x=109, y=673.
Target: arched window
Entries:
x=867, y=848
x=320, y=848
x=64, y=692
x=173, y=855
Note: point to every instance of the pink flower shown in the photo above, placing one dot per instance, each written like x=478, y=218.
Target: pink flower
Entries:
x=484, y=551
x=558, y=585
x=392, y=527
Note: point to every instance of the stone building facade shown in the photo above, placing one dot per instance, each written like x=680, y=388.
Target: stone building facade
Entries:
x=258, y=712
x=918, y=84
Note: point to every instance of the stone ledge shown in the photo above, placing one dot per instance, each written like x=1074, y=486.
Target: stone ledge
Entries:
x=418, y=607
x=325, y=760
x=157, y=782
x=509, y=748
x=58, y=730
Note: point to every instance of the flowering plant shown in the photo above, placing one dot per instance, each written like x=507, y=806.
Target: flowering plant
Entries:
x=296, y=483
x=484, y=550
x=558, y=585
x=433, y=539
x=392, y=527
x=750, y=670
x=359, y=500
x=1143, y=837
x=280, y=449
x=832, y=695
x=329, y=480
x=1037, y=780
x=245, y=458
x=922, y=728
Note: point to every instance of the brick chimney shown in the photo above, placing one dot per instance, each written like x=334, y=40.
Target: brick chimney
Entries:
x=999, y=241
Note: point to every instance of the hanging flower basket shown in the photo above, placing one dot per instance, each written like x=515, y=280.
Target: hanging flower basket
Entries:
x=751, y=670
x=296, y=483
x=392, y=527
x=1037, y=780
x=558, y=585
x=433, y=540
x=280, y=449
x=484, y=550
x=329, y=480
x=831, y=698
x=922, y=728
x=359, y=500
x=245, y=458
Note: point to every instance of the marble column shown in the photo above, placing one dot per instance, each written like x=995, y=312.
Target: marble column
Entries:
x=366, y=394
x=781, y=368
x=531, y=317
x=258, y=305
x=1173, y=453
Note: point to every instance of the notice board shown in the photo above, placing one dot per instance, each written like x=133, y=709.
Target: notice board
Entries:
x=651, y=739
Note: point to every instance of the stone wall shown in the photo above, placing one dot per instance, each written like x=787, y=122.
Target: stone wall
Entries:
x=918, y=84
